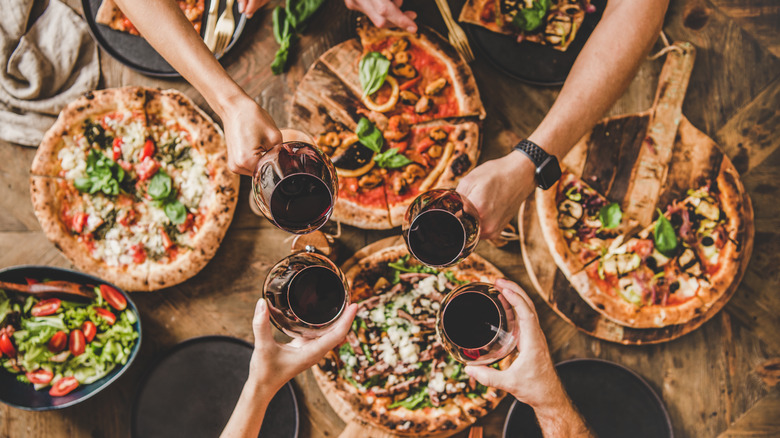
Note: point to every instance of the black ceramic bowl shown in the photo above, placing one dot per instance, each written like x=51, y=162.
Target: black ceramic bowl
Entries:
x=23, y=395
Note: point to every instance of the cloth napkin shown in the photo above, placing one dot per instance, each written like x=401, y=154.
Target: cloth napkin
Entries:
x=42, y=68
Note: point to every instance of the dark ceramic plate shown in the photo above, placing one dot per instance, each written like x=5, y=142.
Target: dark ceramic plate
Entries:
x=192, y=390
x=529, y=62
x=614, y=400
x=23, y=395
x=134, y=52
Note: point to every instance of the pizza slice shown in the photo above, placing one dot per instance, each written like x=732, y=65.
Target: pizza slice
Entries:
x=578, y=223
x=110, y=15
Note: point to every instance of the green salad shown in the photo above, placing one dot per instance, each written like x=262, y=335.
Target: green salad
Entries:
x=63, y=344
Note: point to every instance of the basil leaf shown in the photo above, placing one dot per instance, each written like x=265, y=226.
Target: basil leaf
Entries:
x=391, y=159
x=610, y=216
x=369, y=135
x=373, y=72
x=176, y=212
x=299, y=11
x=664, y=236
x=160, y=186
x=529, y=19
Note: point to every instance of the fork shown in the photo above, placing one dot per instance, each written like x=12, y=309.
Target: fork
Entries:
x=456, y=35
x=223, y=32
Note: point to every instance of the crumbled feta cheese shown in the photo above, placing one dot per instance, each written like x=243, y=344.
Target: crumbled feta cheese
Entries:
x=437, y=382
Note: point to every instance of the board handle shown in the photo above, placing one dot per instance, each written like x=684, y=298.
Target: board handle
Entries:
x=673, y=81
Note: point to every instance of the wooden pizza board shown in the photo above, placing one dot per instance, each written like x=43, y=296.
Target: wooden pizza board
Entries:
x=642, y=161
x=357, y=427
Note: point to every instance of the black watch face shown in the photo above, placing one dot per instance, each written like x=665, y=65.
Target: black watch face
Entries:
x=548, y=173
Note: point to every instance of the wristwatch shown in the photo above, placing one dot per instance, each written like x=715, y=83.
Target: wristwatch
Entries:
x=547, y=169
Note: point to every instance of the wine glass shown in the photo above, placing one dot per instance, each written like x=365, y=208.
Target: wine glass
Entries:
x=294, y=184
x=306, y=293
x=441, y=227
x=476, y=324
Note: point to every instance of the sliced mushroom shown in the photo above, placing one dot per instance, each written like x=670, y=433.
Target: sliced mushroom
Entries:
x=438, y=134
x=409, y=98
x=436, y=86
x=434, y=151
x=564, y=220
x=401, y=57
x=400, y=185
x=329, y=139
x=422, y=105
x=370, y=180
x=404, y=71
x=570, y=208
x=687, y=258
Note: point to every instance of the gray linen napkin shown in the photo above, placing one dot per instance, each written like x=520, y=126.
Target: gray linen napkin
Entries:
x=41, y=69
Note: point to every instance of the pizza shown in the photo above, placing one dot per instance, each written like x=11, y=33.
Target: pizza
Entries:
x=419, y=130
x=391, y=371
x=551, y=23
x=132, y=185
x=669, y=272
x=109, y=14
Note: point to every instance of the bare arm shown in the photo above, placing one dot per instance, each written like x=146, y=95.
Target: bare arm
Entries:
x=248, y=128
x=603, y=70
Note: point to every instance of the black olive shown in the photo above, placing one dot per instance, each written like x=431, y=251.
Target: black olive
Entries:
x=355, y=157
x=676, y=220
x=652, y=263
x=707, y=241
x=673, y=287
x=460, y=164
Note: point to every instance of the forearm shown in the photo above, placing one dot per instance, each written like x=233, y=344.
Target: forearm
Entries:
x=603, y=70
x=250, y=410
x=560, y=418
x=166, y=28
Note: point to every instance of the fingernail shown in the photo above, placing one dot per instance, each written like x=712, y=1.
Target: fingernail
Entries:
x=411, y=29
x=261, y=305
x=241, y=8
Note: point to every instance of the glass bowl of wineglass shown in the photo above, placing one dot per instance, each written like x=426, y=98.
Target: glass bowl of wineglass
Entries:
x=477, y=325
x=306, y=293
x=441, y=227
x=295, y=185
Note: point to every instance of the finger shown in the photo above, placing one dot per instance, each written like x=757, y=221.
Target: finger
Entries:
x=514, y=288
x=398, y=2
x=241, y=6
x=252, y=6
x=411, y=14
x=485, y=375
x=394, y=15
x=261, y=326
x=528, y=323
x=334, y=336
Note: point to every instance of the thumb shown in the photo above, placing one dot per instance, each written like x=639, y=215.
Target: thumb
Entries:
x=485, y=375
x=261, y=326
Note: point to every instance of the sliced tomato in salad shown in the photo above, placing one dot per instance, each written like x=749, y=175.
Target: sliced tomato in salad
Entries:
x=89, y=329
x=77, y=342
x=46, y=307
x=64, y=386
x=7, y=345
x=107, y=315
x=40, y=376
x=58, y=342
x=113, y=297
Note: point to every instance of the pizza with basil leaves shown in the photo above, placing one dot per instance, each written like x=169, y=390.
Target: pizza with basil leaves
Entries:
x=400, y=116
x=392, y=371
x=132, y=185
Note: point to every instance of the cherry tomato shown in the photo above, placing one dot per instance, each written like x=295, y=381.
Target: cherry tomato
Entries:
x=107, y=315
x=89, y=330
x=124, y=165
x=116, y=148
x=167, y=242
x=63, y=386
x=184, y=227
x=40, y=377
x=58, y=342
x=146, y=168
x=113, y=297
x=7, y=345
x=77, y=342
x=46, y=307
x=148, y=150
x=78, y=221
x=138, y=253
x=127, y=218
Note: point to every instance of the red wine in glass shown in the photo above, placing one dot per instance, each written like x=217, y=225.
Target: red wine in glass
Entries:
x=295, y=186
x=476, y=324
x=305, y=293
x=441, y=228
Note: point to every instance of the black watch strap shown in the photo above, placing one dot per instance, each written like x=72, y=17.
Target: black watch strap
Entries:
x=532, y=151
x=548, y=171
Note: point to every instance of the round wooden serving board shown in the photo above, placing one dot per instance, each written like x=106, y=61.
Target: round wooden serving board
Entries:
x=643, y=161
x=356, y=426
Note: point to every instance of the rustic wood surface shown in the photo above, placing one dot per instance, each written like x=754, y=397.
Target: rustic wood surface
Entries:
x=719, y=380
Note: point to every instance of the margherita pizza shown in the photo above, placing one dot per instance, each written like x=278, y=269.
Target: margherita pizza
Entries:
x=392, y=371
x=109, y=14
x=132, y=185
x=417, y=130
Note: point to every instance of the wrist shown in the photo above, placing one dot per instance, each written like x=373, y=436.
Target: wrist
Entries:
x=554, y=402
x=229, y=98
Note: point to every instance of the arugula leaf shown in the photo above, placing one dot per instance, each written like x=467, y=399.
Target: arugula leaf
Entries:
x=373, y=72
x=369, y=135
x=176, y=212
x=401, y=266
x=610, y=216
x=299, y=11
x=529, y=19
x=664, y=236
x=346, y=349
x=160, y=186
x=415, y=401
x=391, y=159
x=451, y=277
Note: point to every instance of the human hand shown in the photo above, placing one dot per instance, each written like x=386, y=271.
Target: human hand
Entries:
x=531, y=378
x=497, y=188
x=249, y=132
x=385, y=13
x=273, y=364
x=249, y=7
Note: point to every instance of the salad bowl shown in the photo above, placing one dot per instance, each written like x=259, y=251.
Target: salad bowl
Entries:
x=23, y=395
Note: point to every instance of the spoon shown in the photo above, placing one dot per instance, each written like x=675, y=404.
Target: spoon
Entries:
x=49, y=287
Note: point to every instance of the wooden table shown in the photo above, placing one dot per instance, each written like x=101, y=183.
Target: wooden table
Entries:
x=710, y=380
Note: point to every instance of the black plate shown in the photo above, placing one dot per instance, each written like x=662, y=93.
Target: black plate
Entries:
x=614, y=400
x=192, y=389
x=23, y=395
x=529, y=62
x=134, y=52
